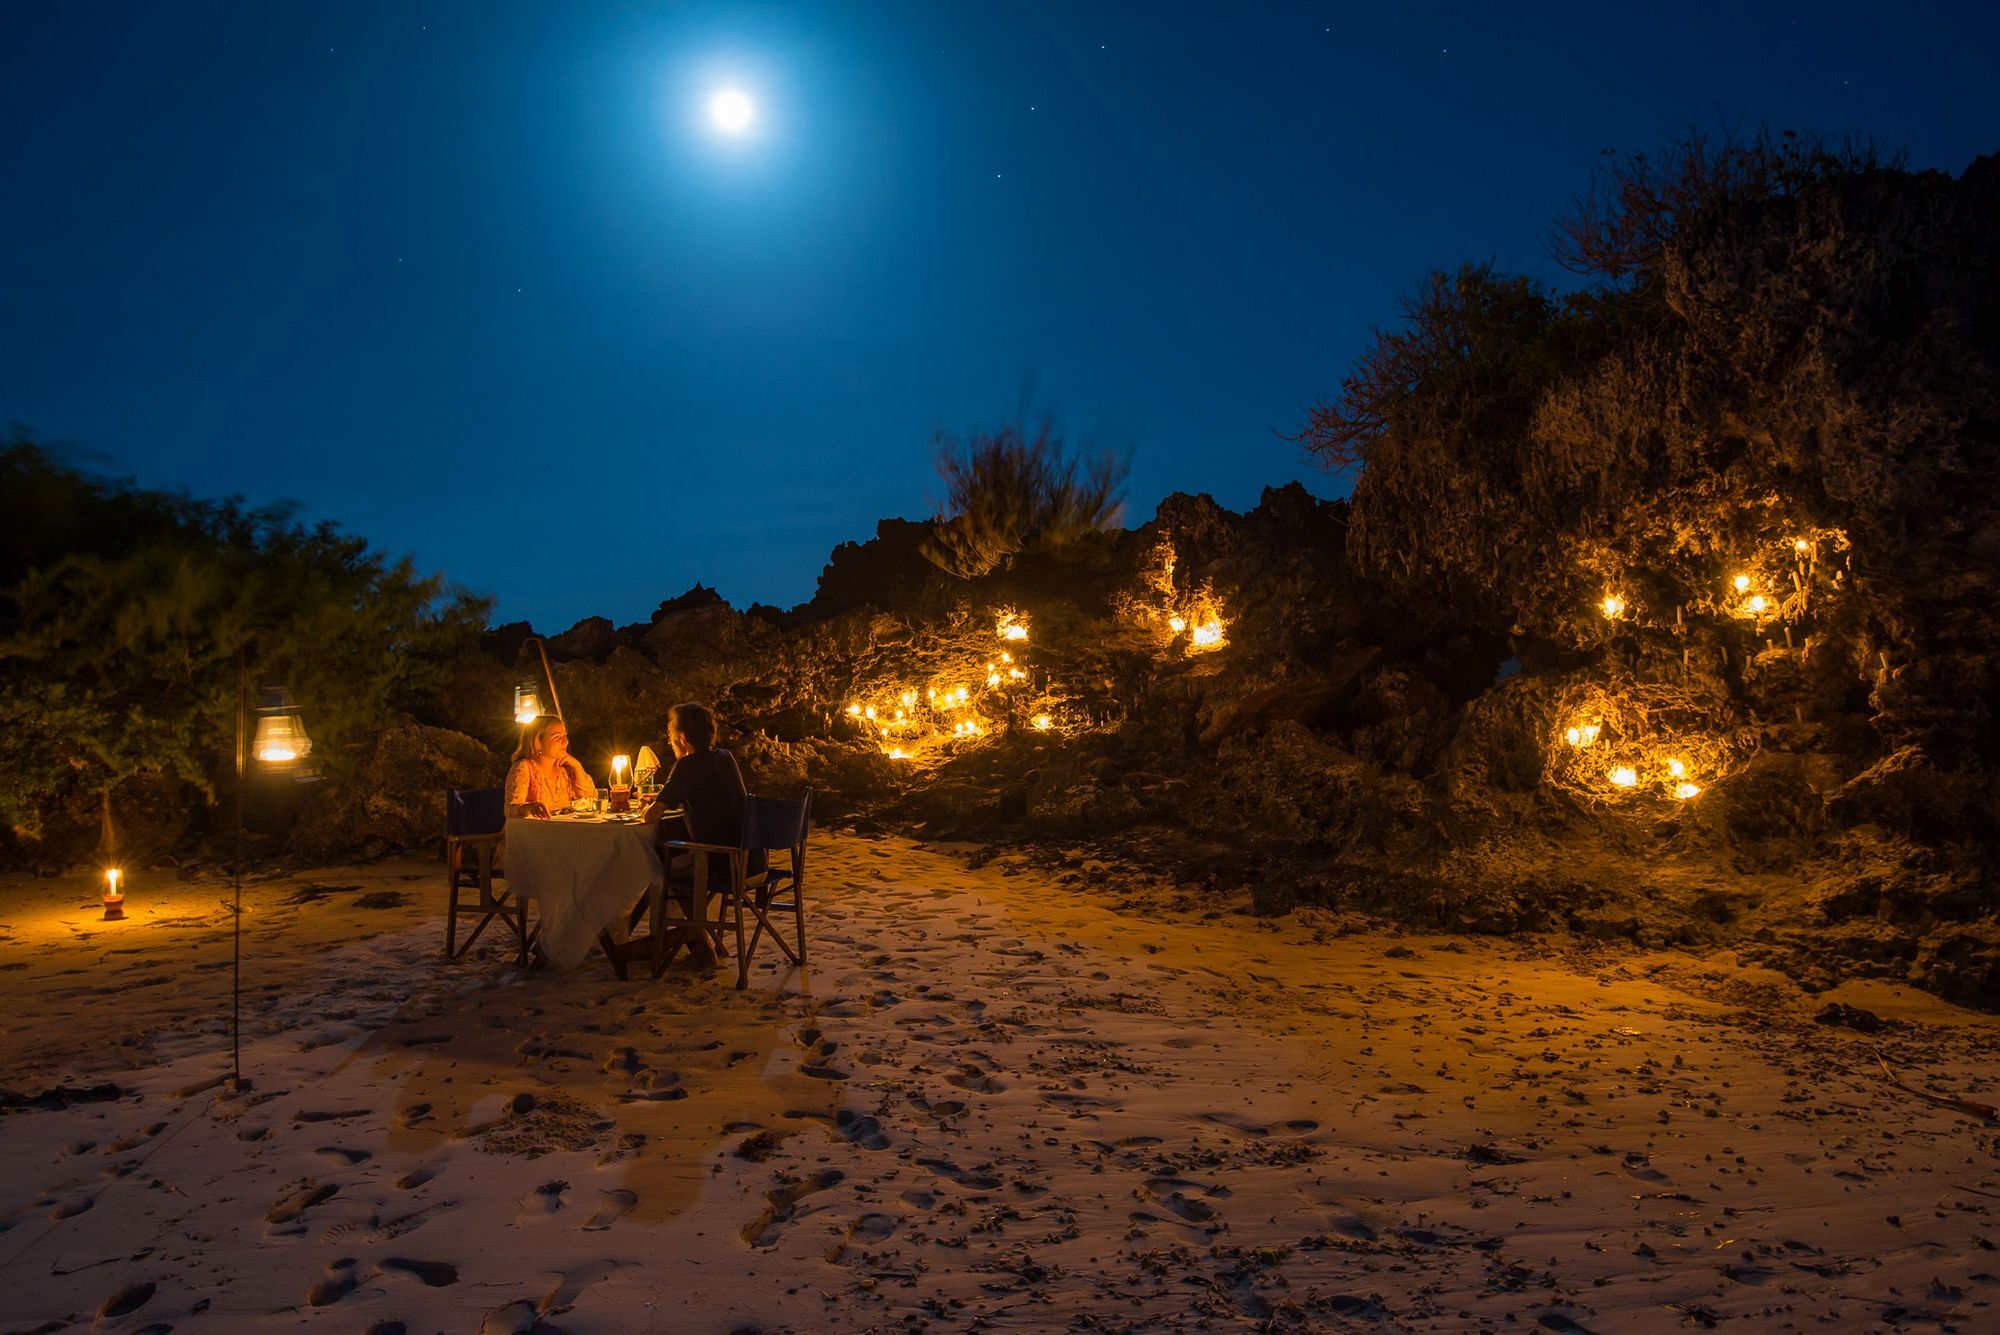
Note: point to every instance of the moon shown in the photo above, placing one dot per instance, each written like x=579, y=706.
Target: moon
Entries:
x=731, y=111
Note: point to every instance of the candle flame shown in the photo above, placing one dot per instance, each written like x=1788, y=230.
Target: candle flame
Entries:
x=275, y=754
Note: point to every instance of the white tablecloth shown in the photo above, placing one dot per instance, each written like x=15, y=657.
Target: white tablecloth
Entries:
x=584, y=875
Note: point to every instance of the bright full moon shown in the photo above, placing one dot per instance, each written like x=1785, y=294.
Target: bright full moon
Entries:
x=731, y=111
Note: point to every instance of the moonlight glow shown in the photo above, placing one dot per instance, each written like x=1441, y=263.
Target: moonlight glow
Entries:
x=730, y=111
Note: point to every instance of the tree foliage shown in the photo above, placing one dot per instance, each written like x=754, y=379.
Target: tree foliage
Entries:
x=1008, y=492
x=1779, y=338
x=126, y=612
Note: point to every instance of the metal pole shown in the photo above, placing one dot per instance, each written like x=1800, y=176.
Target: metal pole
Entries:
x=236, y=938
x=547, y=675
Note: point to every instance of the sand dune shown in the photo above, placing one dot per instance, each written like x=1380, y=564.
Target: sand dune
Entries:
x=989, y=1103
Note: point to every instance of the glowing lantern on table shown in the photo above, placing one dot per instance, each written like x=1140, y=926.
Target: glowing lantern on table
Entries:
x=281, y=737
x=1685, y=791
x=1624, y=776
x=1613, y=607
x=527, y=705
x=114, y=898
x=619, y=765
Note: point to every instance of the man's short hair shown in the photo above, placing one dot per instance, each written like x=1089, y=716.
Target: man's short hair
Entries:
x=694, y=722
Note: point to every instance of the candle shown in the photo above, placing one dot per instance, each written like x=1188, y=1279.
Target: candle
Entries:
x=114, y=901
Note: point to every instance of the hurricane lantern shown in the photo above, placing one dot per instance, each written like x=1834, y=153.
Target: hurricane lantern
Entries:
x=527, y=705
x=280, y=738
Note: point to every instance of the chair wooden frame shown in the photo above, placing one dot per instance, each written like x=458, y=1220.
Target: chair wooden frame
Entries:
x=473, y=862
x=759, y=891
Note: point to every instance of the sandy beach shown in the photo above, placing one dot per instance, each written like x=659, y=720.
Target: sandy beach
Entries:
x=993, y=1101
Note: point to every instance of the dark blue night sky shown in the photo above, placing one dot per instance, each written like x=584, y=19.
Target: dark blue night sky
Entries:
x=482, y=282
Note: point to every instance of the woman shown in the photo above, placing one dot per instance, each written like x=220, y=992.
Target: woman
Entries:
x=545, y=778
x=706, y=785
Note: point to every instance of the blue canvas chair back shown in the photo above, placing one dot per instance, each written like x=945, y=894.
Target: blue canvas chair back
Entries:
x=771, y=822
x=475, y=811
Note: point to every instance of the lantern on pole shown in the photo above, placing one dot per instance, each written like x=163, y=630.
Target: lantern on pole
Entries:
x=527, y=705
x=281, y=740
x=274, y=746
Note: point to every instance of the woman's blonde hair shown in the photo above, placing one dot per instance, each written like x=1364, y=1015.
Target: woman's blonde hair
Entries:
x=531, y=737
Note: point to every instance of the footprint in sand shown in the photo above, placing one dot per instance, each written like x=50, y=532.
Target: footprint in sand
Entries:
x=434, y=1274
x=415, y=1178
x=287, y=1209
x=612, y=1206
x=410, y=1116
x=127, y=1301
x=872, y=1228
x=346, y=1157
x=763, y=1231
x=71, y=1206
x=135, y=1140
x=975, y=1080
x=338, y=1281
x=542, y=1202
x=976, y=1178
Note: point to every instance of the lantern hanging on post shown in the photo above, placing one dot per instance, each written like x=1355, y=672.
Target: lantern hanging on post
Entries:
x=281, y=739
x=527, y=705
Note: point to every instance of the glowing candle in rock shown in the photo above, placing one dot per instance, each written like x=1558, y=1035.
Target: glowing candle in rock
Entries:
x=114, y=898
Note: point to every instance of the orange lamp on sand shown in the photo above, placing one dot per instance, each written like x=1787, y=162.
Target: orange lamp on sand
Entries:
x=114, y=898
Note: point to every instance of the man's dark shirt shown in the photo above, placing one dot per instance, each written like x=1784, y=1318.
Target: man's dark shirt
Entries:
x=710, y=786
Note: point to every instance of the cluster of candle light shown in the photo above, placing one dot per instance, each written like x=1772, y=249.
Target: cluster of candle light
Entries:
x=1746, y=598
x=948, y=713
x=1669, y=770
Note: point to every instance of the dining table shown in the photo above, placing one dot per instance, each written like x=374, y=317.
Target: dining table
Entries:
x=585, y=871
